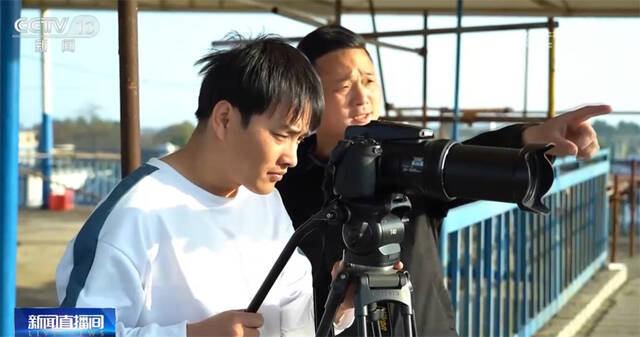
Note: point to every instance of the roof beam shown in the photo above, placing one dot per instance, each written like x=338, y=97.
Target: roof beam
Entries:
x=371, y=37
x=546, y=4
x=286, y=12
x=419, y=51
x=468, y=29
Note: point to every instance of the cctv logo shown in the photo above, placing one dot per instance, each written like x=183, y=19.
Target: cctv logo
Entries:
x=82, y=26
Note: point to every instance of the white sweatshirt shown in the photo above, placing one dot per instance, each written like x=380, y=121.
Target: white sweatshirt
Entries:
x=164, y=252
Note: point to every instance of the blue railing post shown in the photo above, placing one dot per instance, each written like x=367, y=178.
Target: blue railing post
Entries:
x=522, y=275
x=529, y=288
x=478, y=268
x=454, y=272
x=44, y=147
x=468, y=283
x=501, y=277
x=489, y=277
x=548, y=251
x=9, y=130
x=604, y=234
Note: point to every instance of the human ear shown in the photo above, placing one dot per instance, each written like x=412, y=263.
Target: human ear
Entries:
x=220, y=118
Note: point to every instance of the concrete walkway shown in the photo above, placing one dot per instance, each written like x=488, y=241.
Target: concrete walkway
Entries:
x=608, y=305
x=622, y=315
x=619, y=316
x=42, y=239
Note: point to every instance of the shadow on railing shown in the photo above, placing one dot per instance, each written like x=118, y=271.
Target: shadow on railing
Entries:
x=509, y=271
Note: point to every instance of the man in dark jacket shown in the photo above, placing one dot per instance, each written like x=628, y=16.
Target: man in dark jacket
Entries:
x=352, y=97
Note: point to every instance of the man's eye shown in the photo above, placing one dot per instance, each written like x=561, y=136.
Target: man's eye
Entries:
x=281, y=136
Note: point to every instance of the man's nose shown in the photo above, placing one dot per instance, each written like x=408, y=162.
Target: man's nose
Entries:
x=360, y=93
x=290, y=156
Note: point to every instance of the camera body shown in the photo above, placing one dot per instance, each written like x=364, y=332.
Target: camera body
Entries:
x=371, y=172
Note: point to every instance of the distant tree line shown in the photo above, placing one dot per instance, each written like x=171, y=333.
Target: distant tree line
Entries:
x=94, y=134
x=625, y=133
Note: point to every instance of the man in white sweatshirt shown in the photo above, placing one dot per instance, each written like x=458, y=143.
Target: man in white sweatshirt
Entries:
x=183, y=243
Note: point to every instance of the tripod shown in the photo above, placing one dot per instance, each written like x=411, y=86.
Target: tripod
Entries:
x=371, y=232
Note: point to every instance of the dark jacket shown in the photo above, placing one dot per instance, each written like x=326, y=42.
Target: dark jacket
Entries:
x=301, y=191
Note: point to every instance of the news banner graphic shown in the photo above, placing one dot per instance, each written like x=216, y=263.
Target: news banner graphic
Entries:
x=42, y=322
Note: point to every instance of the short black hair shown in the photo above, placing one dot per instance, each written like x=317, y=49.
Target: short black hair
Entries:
x=329, y=38
x=259, y=75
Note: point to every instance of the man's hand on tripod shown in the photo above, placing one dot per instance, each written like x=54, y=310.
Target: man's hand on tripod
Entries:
x=233, y=323
x=347, y=303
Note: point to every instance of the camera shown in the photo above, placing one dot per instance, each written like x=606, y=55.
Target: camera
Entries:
x=377, y=165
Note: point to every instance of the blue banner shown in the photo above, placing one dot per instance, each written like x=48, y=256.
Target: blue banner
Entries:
x=35, y=322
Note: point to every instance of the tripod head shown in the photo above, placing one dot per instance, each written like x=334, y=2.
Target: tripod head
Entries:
x=374, y=229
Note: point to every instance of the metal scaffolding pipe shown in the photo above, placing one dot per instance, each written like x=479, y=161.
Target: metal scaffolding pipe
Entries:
x=371, y=37
x=45, y=143
x=129, y=97
x=505, y=109
x=425, y=16
x=435, y=31
x=394, y=46
x=9, y=129
x=384, y=92
x=551, y=108
x=511, y=119
x=445, y=109
x=222, y=43
x=472, y=29
x=456, y=92
x=526, y=74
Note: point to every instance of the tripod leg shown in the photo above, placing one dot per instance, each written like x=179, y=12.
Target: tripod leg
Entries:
x=376, y=314
x=361, y=321
x=415, y=325
x=408, y=330
x=407, y=320
x=336, y=296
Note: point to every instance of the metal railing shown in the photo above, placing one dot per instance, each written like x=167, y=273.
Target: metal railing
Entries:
x=509, y=271
x=91, y=176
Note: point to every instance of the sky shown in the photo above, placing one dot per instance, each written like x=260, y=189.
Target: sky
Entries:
x=597, y=61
